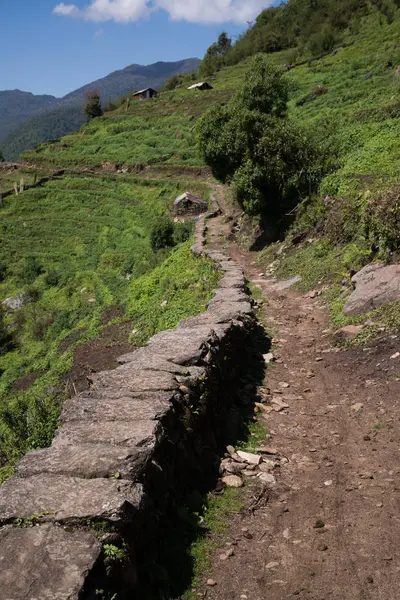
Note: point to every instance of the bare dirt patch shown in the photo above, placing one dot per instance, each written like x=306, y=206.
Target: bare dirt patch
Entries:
x=99, y=354
x=25, y=382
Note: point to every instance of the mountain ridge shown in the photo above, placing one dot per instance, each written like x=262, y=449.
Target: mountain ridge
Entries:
x=52, y=117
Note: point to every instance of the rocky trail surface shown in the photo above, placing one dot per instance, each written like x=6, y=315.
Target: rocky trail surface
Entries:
x=326, y=526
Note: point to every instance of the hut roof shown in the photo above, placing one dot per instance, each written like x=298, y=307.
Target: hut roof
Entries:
x=144, y=90
x=191, y=198
x=201, y=84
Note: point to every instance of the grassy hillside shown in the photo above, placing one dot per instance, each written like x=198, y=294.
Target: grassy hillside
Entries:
x=351, y=94
x=78, y=249
x=65, y=115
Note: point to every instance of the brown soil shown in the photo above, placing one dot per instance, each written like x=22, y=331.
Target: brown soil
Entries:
x=341, y=437
x=25, y=382
x=99, y=354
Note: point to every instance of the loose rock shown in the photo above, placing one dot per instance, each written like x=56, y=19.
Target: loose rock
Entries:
x=252, y=459
x=268, y=357
x=267, y=478
x=233, y=481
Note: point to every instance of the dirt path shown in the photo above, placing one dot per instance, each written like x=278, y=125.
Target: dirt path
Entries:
x=331, y=526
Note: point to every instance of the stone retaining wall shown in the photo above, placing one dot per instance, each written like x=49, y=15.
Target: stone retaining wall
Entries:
x=89, y=516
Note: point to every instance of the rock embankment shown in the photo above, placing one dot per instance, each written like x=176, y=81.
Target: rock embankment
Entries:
x=87, y=513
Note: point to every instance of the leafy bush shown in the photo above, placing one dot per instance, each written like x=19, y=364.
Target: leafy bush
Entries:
x=322, y=42
x=52, y=278
x=182, y=232
x=162, y=234
x=3, y=271
x=30, y=270
x=252, y=144
x=6, y=340
x=264, y=88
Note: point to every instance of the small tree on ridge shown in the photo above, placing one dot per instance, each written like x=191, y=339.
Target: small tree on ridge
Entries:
x=92, y=106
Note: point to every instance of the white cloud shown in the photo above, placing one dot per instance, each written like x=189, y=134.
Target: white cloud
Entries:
x=66, y=10
x=193, y=11
x=98, y=33
x=213, y=11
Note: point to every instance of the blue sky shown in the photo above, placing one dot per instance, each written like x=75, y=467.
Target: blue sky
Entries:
x=54, y=48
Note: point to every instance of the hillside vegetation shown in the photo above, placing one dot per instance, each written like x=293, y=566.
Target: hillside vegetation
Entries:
x=79, y=251
x=22, y=129
x=80, y=246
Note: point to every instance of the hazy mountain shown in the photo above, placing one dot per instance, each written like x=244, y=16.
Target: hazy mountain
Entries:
x=61, y=116
x=17, y=106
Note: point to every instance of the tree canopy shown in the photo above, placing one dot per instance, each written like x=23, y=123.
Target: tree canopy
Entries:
x=251, y=144
x=92, y=106
x=215, y=54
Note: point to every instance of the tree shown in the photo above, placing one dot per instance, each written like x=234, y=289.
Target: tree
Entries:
x=92, y=106
x=264, y=88
x=2, y=159
x=214, y=57
x=251, y=144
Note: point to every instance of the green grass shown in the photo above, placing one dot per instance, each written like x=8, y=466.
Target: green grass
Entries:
x=90, y=240
x=214, y=522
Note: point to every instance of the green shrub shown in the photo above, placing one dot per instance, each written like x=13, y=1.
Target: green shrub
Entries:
x=52, y=278
x=162, y=234
x=322, y=42
x=3, y=271
x=30, y=270
x=252, y=144
x=182, y=231
x=6, y=340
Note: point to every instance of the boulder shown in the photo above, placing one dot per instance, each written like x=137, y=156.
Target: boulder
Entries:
x=14, y=302
x=375, y=285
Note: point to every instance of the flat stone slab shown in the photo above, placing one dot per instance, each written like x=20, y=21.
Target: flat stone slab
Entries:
x=86, y=461
x=60, y=498
x=146, y=407
x=376, y=284
x=229, y=295
x=227, y=312
x=186, y=347
x=119, y=433
x=232, y=281
x=129, y=378
x=45, y=563
x=147, y=360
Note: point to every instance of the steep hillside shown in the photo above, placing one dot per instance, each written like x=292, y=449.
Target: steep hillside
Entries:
x=65, y=114
x=80, y=248
x=17, y=106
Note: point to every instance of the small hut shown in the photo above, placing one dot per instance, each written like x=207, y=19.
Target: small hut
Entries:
x=189, y=205
x=145, y=94
x=203, y=85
